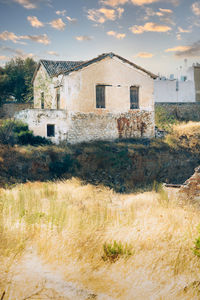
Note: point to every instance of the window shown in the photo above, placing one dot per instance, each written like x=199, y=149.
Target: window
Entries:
x=58, y=98
x=100, y=96
x=50, y=130
x=42, y=100
x=134, y=97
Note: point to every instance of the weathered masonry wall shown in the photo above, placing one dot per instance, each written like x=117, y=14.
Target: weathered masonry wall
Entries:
x=79, y=127
x=37, y=120
x=87, y=127
x=7, y=110
x=182, y=111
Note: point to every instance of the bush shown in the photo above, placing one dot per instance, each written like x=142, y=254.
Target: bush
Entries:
x=163, y=119
x=59, y=167
x=113, y=251
x=17, y=132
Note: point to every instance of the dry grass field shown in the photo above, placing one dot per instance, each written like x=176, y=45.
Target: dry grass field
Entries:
x=69, y=240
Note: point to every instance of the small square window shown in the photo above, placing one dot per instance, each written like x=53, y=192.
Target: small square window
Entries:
x=50, y=130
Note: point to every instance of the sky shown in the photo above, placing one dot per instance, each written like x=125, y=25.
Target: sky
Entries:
x=162, y=36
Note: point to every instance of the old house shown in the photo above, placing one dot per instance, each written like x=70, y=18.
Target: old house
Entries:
x=105, y=98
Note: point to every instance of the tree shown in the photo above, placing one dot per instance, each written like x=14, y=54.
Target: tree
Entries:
x=3, y=85
x=17, y=82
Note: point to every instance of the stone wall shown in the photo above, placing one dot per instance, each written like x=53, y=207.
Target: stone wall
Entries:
x=79, y=127
x=191, y=189
x=87, y=127
x=182, y=111
x=7, y=110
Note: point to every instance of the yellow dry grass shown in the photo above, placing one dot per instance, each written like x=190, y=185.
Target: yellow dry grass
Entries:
x=69, y=222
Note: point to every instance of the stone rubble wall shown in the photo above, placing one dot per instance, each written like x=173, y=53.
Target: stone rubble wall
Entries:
x=80, y=127
x=88, y=127
x=189, y=111
x=191, y=188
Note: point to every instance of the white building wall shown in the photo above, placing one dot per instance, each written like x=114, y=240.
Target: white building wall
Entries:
x=165, y=91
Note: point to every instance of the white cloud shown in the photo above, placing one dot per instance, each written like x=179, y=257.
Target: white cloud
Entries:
x=3, y=57
x=181, y=30
x=196, y=8
x=149, y=27
x=35, y=22
x=58, y=24
x=71, y=20
x=10, y=36
x=42, y=39
x=114, y=3
x=144, y=55
x=61, y=12
x=28, y=4
x=82, y=38
x=53, y=53
x=16, y=52
x=103, y=14
x=117, y=35
x=178, y=49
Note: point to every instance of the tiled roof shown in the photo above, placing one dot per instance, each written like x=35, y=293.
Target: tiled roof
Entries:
x=55, y=68
x=104, y=55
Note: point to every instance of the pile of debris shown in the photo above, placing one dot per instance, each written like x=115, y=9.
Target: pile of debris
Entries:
x=190, y=190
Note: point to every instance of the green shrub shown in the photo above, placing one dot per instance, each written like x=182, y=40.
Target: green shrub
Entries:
x=163, y=119
x=113, y=251
x=17, y=132
x=196, y=248
x=60, y=166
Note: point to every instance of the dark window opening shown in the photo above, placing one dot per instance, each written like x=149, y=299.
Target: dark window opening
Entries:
x=134, y=97
x=50, y=130
x=58, y=98
x=42, y=100
x=100, y=96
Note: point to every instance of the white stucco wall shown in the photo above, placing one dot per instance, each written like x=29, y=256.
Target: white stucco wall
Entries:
x=37, y=120
x=80, y=87
x=165, y=91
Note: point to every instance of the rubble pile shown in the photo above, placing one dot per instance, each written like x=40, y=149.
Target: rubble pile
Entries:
x=190, y=190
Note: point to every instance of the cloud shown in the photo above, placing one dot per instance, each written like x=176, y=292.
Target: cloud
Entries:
x=58, y=24
x=42, y=39
x=28, y=4
x=164, y=14
x=103, y=14
x=196, y=8
x=82, y=38
x=3, y=57
x=61, y=12
x=114, y=3
x=178, y=49
x=71, y=20
x=186, y=51
x=117, y=35
x=10, y=36
x=149, y=27
x=35, y=22
x=181, y=30
x=16, y=52
x=144, y=55
x=53, y=53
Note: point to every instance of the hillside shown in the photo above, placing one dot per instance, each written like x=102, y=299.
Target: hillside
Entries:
x=123, y=165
